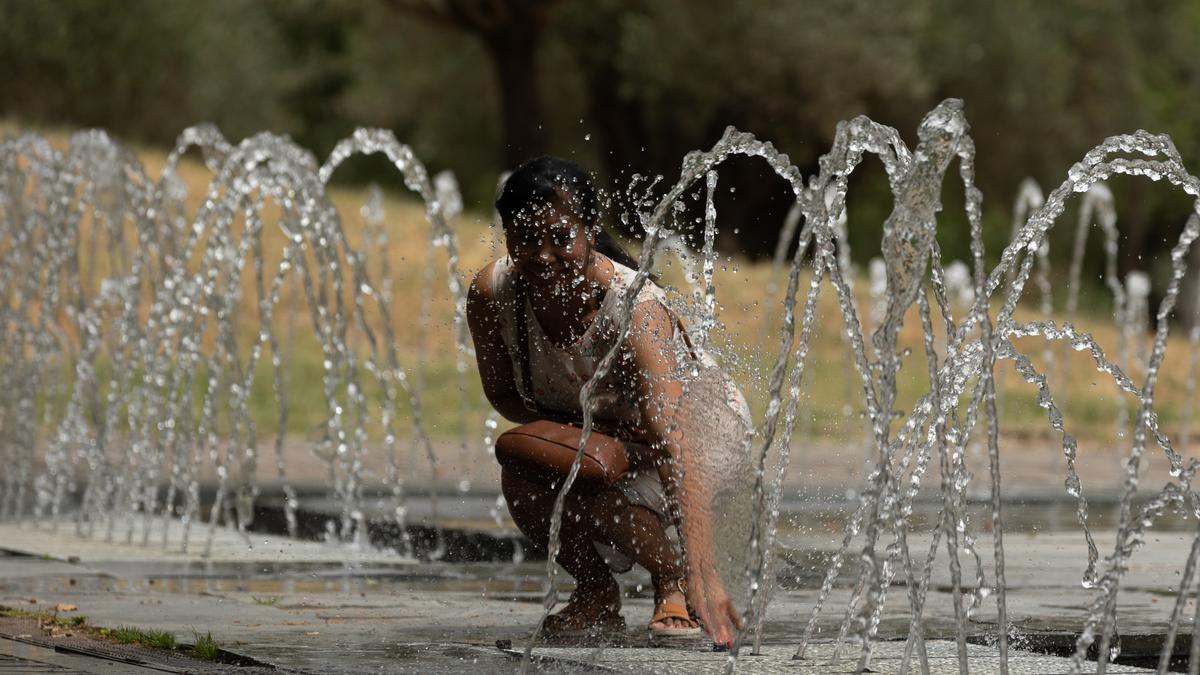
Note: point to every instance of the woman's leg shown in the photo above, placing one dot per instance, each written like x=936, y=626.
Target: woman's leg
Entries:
x=531, y=505
x=635, y=531
x=638, y=533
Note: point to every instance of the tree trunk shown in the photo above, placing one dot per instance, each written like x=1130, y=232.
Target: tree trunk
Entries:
x=1136, y=228
x=514, y=55
x=618, y=121
x=511, y=32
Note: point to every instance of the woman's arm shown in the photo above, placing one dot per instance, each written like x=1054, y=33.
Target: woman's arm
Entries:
x=491, y=354
x=652, y=348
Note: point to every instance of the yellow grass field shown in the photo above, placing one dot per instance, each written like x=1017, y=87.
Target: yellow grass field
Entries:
x=750, y=316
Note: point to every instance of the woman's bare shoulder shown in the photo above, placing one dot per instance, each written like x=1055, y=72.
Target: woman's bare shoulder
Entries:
x=483, y=286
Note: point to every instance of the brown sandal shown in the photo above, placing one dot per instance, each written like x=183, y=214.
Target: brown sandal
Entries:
x=664, y=609
x=671, y=610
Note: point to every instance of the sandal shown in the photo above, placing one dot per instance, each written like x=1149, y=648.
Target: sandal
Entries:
x=666, y=609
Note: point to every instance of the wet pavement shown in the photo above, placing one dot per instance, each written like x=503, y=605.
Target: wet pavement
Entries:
x=822, y=658
x=313, y=607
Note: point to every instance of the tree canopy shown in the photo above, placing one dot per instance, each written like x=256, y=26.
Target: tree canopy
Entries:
x=629, y=87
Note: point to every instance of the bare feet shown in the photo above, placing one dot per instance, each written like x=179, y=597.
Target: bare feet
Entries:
x=591, y=608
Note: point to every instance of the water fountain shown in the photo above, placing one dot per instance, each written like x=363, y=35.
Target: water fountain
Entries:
x=128, y=383
x=910, y=252
x=166, y=320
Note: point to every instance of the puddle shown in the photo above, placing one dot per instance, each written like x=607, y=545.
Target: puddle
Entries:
x=488, y=580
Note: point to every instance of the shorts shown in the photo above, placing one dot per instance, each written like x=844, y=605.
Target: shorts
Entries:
x=641, y=488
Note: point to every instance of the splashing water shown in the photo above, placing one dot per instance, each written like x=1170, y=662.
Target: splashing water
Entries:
x=161, y=363
x=128, y=384
x=973, y=345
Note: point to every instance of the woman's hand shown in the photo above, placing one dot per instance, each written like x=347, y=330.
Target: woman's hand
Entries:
x=707, y=595
x=688, y=482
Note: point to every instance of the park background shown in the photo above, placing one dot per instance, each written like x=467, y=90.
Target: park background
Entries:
x=627, y=89
x=477, y=86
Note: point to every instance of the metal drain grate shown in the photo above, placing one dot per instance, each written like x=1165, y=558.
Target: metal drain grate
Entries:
x=20, y=640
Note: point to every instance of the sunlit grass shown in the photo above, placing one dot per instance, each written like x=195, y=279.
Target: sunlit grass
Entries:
x=159, y=639
x=205, y=647
x=45, y=617
x=832, y=399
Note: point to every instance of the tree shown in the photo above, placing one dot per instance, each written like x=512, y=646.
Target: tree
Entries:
x=512, y=31
x=665, y=78
x=146, y=72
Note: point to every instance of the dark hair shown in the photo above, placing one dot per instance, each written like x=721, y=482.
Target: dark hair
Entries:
x=548, y=179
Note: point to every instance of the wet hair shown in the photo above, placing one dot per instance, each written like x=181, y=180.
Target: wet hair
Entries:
x=554, y=180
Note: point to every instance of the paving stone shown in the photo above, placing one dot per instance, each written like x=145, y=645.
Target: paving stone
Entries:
x=318, y=608
x=228, y=546
x=819, y=659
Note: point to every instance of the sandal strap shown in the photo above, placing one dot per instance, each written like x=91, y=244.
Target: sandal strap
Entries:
x=670, y=610
x=677, y=584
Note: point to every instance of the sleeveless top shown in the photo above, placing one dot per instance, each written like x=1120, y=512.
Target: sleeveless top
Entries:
x=558, y=373
x=713, y=415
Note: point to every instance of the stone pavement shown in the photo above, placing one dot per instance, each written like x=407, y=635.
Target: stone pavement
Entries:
x=227, y=545
x=333, y=609
x=943, y=658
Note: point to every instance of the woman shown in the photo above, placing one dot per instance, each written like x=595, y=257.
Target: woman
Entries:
x=542, y=317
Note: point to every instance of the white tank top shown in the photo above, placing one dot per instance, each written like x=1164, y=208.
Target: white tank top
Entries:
x=557, y=374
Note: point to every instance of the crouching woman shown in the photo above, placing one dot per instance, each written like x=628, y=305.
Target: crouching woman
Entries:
x=542, y=317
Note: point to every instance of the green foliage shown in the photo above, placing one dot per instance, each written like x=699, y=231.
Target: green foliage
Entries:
x=629, y=86
x=433, y=86
x=158, y=639
x=206, y=647
x=146, y=71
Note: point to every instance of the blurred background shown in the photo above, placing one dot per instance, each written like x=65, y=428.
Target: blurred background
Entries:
x=628, y=87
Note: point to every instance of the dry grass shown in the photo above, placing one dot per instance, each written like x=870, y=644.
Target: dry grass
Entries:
x=751, y=318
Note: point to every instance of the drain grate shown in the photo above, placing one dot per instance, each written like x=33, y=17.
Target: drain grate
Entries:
x=21, y=639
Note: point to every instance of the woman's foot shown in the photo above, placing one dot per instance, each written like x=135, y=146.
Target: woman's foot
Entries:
x=671, y=617
x=589, y=611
